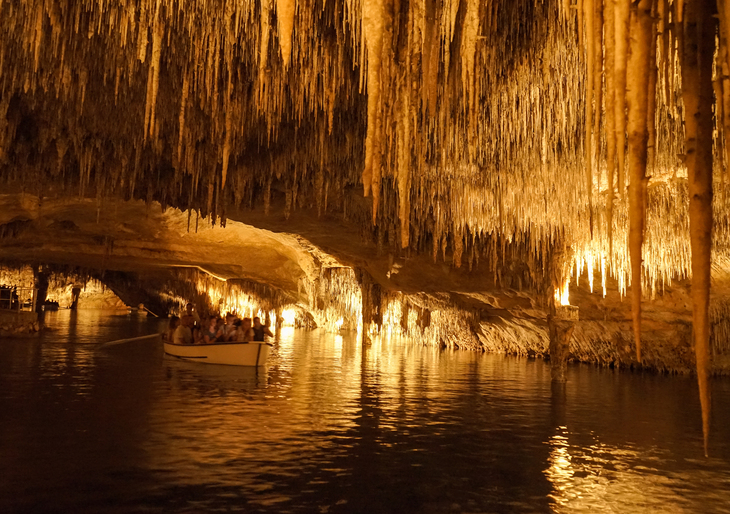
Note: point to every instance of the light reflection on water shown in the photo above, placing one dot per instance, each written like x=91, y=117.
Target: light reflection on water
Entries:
x=329, y=426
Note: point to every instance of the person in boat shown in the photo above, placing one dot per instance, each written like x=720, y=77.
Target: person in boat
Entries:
x=190, y=311
x=211, y=334
x=259, y=330
x=184, y=332
x=171, y=327
x=245, y=332
x=230, y=328
x=220, y=325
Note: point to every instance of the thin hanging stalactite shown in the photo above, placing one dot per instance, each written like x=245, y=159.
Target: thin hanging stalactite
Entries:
x=590, y=40
x=637, y=92
x=699, y=43
x=373, y=16
x=621, y=52
x=652, y=92
x=610, y=34
x=723, y=73
x=598, y=80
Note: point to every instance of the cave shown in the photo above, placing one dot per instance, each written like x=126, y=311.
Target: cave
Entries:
x=546, y=180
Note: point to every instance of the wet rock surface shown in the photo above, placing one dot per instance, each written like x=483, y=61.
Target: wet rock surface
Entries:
x=132, y=243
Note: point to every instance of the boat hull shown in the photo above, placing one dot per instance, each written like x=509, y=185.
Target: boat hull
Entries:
x=254, y=353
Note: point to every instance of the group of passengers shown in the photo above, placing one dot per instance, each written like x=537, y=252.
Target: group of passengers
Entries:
x=191, y=329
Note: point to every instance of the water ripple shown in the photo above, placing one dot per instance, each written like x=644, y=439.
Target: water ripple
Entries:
x=331, y=427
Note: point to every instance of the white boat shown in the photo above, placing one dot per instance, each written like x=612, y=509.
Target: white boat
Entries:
x=253, y=353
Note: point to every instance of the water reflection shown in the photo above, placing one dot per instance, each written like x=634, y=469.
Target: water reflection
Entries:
x=331, y=426
x=659, y=472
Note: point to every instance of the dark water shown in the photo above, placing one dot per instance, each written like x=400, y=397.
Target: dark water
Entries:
x=328, y=427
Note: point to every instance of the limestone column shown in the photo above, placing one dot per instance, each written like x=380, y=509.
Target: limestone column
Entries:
x=41, y=284
x=560, y=327
x=279, y=321
x=75, y=293
x=371, y=300
x=561, y=318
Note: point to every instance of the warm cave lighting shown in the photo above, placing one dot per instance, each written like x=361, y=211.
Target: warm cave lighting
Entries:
x=288, y=317
x=562, y=296
x=339, y=323
x=589, y=264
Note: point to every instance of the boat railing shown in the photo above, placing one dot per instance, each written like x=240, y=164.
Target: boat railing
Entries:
x=18, y=298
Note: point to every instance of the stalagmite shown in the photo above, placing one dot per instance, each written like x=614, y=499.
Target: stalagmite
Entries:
x=637, y=93
x=699, y=39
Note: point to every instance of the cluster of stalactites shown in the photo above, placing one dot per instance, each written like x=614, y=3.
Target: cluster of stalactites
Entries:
x=482, y=117
x=657, y=57
x=239, y=296
x=123, y=89
x=445, y=81
x=342, y=298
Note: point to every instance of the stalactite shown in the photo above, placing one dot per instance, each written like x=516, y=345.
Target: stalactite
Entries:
x=228, y=129
x=638, y=91
x=598, y=75
x=431, y=56
x=723, y=76
x=698, y=50
x=153, y=79
x=724, y=72
x=373, y=15
x=652, y=93
x=469, y=48
x=404, y=156
x=265, y=22
x=590, y=69
x=621, y=41
x=610, y=35
x=663, y=34
x=181, y=118
x=142, y=36
x=285, y=11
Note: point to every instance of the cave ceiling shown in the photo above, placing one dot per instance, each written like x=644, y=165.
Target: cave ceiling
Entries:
x=443, y=133
x=449, y=129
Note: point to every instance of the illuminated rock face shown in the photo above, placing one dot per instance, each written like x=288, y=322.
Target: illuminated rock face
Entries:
x=148, y=256
x=446, y=148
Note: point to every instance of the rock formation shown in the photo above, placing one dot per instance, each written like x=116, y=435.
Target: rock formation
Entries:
x=443, y=150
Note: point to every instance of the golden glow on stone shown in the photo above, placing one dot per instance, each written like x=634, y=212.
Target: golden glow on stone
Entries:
x=289, y=316
x=562, y=295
